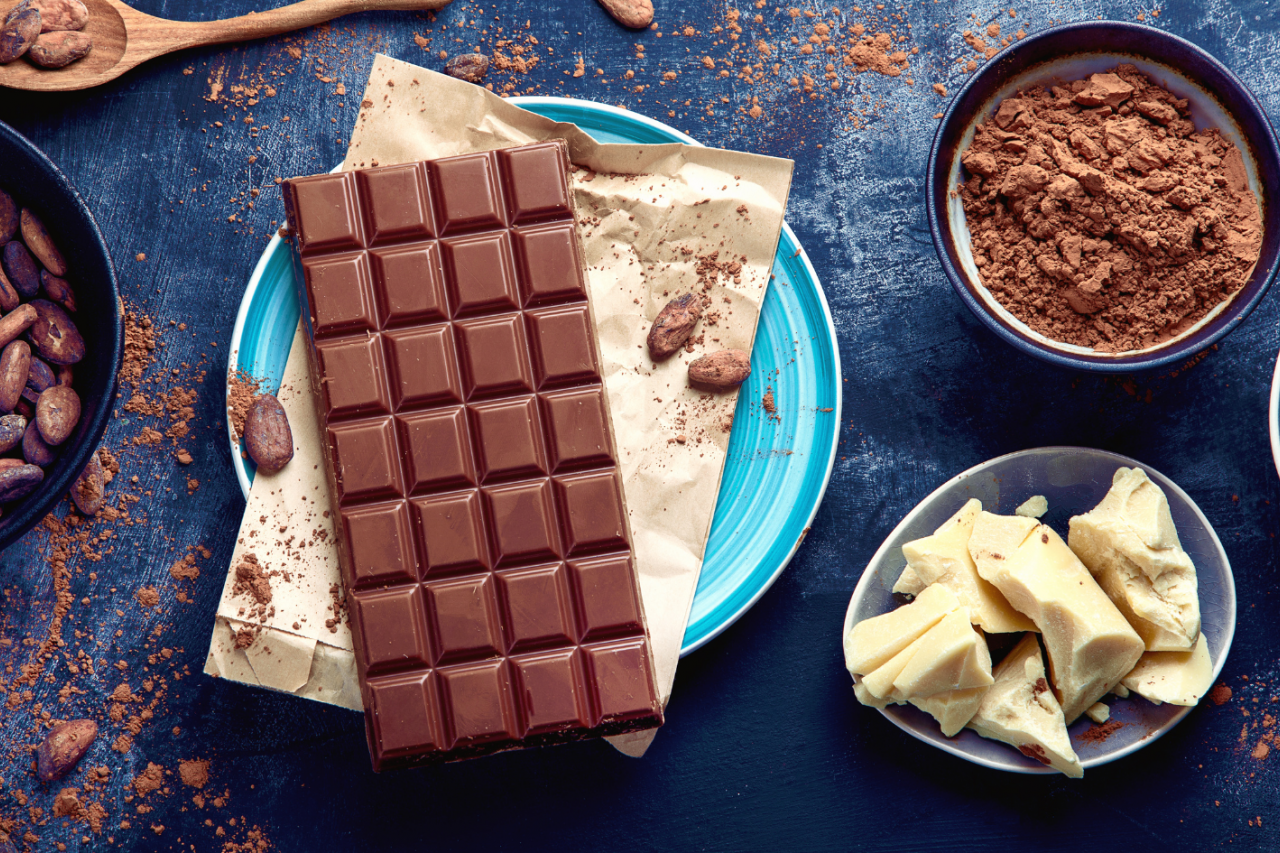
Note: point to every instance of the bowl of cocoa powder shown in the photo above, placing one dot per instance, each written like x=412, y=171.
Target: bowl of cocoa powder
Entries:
x=1101, y=196
x=62, y=334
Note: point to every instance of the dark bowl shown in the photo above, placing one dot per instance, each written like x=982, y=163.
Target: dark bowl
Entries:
x=1070, y=52
x=36, y=183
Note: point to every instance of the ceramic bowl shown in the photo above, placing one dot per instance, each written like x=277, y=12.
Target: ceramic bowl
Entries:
x=35, y=182
x=1073, y=480
x=1072, y=52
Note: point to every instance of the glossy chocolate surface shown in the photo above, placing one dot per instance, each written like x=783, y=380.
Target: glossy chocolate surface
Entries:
x=483, y=535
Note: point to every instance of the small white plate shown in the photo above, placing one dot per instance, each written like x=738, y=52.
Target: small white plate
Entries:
x=1074, y=480
x=1274, y=417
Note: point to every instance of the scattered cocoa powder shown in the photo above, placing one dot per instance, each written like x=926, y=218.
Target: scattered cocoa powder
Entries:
x=147, y=596
x=242, y=390
x=1220, y=694
x=252, y=581
x=149, y=780
x=1101, y=218
x=1099, y=733
x=194, y=774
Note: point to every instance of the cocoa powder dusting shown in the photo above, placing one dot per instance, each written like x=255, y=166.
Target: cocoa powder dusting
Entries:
x=1099, y=733
x=194, y=774
x=1101, y=217
x=242, y=390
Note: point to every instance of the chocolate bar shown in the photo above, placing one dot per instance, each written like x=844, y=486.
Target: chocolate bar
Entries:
x=483, y=540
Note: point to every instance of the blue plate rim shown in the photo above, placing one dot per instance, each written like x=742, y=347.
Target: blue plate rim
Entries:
x=787, y=236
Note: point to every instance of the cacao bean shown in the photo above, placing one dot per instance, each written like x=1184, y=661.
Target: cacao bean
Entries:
x=673, y=325
x=21, y=268
x=20, y=30
x=468, y=66
x=16, y=322
x=40, y=376
x=52, y=333
x=12, y=428
x=19, y=481
x=267, y=436
x=8, y=217
x=25, y=408
x=57, y=290
x=57, y=413
x=34, y=449
x=63, y=748
x=721, y=370
x=56, y=15
x=58, y=50
x=37, y=238
x=7, y=463
x=15, y=364
x=64, y=373
x=636, y=14
x=89, y=491
x=9, y=298
x=31, y=395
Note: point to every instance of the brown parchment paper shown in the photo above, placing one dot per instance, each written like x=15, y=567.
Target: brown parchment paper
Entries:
x=655, y=221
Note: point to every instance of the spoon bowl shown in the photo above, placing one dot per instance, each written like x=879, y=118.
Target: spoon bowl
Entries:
x=124, y=38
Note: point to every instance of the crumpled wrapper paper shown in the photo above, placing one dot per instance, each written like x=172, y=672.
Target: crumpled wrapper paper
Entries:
x=655, y=221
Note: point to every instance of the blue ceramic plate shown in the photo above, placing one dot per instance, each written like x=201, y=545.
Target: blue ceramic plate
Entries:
x=1074, y=480
x=776, y=472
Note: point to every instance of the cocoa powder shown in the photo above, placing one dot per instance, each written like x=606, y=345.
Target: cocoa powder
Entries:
x=1101, y=217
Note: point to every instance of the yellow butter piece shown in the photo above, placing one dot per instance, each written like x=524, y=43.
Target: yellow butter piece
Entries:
x=1130, y=545
x=952, y=708
x=950, y=656
x=909, y=583
x=1179, y=678
x=872, y=642
x=879, y=682
x=1019, y=709
x=943, y=558
x=1091, y=646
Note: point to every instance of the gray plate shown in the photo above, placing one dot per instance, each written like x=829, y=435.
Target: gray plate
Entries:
x=1074, y=480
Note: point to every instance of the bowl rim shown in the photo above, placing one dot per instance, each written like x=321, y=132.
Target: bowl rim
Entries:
x=26, y=514
x=1232, y=316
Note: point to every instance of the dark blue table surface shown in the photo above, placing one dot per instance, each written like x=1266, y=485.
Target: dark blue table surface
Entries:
x=765, y=747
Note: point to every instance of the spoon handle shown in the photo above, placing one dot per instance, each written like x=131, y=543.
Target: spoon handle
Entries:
x=282, y=20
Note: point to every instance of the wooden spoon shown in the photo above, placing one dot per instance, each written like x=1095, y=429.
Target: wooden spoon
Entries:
x=124, y=37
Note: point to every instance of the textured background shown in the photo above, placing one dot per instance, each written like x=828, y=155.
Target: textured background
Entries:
x=765, y=747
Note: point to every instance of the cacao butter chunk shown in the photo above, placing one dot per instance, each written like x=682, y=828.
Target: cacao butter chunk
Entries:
x=872, y=642
x=1130, y=546
x=879, y=682
x=866, y=697
x=951, y=656
x=1033, y=507
x=909, y=583
x=1019, y=709
x=1098, y=712
x=943, y=558
x=1091, y=646
x=953, y=709
x=1179, y=678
